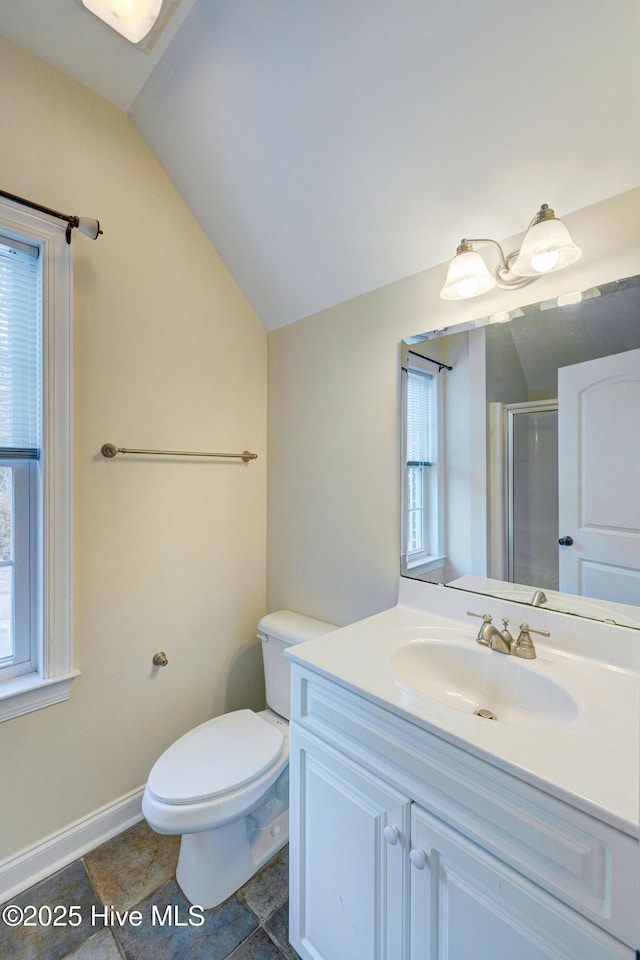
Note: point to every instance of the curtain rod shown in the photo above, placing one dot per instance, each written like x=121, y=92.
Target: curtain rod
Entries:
x=441, y=366
x=90, y=228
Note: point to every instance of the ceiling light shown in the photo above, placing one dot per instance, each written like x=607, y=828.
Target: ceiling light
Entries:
x=133, y=19
x=546, y=247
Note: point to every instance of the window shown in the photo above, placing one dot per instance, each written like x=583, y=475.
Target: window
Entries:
x=422, y=515
x=35, y=462
x=20, y=440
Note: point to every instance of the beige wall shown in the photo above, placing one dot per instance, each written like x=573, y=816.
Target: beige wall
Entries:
x=168, y=555
x=333, y=507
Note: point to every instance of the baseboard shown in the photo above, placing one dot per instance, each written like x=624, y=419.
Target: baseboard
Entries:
x=59, y=849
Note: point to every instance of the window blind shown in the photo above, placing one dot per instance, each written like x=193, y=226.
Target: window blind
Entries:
x=20, y=349
x=422, y=418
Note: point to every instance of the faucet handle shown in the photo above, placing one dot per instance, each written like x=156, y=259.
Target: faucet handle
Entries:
x=486, y=617
x=527, y=629
x=523, y=647
x=487, y=628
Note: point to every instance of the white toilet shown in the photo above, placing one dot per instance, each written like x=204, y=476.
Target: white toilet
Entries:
x=224, y=786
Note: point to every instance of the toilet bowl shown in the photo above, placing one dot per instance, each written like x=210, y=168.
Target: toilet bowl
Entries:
x=224, y=786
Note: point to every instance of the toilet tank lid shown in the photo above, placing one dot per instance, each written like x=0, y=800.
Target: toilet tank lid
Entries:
x=293, y=627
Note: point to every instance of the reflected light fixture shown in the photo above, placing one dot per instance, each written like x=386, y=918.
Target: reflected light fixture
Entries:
x=133, y=19
x=546, y=247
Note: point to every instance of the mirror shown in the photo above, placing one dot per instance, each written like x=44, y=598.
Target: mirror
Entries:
x=521, y=454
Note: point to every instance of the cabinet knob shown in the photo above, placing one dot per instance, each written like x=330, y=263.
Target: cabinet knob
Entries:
x=418, y=859
x=391, y=835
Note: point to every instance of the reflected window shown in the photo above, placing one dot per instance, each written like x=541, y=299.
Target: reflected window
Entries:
x=423, y=528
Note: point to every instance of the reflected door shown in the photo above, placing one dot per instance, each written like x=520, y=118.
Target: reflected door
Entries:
x=599, y=477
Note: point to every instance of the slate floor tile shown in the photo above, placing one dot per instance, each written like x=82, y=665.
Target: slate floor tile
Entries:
x=269, y=888
x=68, y=887
x=277, y=926
x=130, y=873
x=258, y=947
x=224, y=928
x=102, y=946
x=132, y=865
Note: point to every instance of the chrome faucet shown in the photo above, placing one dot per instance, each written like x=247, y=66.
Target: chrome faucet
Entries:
x=538, y=598
x=501, y=640
x=490, y=636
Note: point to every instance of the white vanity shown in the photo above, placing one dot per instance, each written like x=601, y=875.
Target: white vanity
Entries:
x=421, y=831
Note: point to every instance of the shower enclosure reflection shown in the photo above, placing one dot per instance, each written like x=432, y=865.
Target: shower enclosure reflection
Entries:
x=532, y=494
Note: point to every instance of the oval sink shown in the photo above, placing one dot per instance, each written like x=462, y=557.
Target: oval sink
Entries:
x=475, y=678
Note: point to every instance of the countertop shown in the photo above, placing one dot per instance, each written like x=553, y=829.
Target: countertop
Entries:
x=591, y=762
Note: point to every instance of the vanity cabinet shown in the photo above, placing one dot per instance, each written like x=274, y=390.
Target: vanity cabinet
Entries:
x=405, y=847
x=466, y=905
x=353, y=899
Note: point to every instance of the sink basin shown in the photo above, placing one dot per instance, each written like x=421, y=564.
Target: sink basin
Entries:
x=472, y=678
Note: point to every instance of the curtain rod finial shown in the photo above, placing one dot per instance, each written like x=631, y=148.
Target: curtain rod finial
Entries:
x=90, y=228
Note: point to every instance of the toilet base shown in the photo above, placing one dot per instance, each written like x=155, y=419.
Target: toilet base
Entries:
x=215, y=863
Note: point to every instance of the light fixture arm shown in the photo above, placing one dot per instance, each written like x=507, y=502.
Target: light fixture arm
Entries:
x=504, y=278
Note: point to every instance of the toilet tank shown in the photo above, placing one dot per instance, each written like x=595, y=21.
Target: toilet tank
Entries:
x=278, y=631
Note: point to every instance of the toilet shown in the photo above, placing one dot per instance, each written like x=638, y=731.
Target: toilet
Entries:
x=224, y=786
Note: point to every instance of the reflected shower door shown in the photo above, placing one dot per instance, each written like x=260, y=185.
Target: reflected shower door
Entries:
x=532, y=449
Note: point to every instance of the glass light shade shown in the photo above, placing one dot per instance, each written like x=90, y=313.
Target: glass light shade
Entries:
x=133, y=19
x=547, y=246
x=467, y=276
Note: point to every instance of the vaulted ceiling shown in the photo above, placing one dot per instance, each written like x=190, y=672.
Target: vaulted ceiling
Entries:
x=329, y=147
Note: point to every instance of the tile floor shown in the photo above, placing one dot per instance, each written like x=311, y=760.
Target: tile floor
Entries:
x=147, y=918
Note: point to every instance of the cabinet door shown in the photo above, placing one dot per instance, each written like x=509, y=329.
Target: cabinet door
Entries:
x=467, y=905
x=349, y=858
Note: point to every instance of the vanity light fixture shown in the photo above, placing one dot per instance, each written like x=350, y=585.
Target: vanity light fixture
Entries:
x=547, y=246
x=133, y=19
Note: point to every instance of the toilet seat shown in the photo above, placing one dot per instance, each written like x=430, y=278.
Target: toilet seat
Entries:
x=242, y=745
